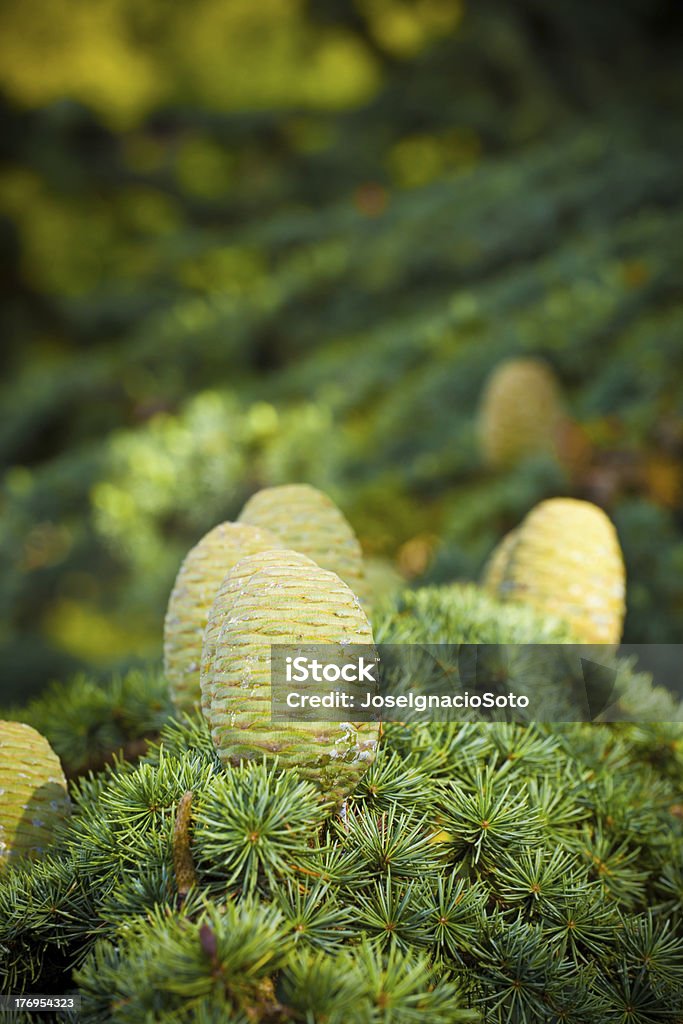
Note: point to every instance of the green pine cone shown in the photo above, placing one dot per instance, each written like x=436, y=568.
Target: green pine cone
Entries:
x=226, y=594
x=203, y=570
x=565, y=560
x=33, y=792
x=521, y=412
x=306, y=520
x=289, y=601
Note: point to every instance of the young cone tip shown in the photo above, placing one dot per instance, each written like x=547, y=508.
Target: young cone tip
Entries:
x=307, y=520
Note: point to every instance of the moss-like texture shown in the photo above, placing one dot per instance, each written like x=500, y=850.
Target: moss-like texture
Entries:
x=286, y=599
x=307, y=520
x=33, y=794
x=521, y=412
x=199, y=577
x=565, y=560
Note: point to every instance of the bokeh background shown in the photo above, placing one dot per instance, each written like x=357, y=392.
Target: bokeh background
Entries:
x=251, y=243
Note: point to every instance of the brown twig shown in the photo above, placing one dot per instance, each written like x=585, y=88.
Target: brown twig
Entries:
x=183, y=863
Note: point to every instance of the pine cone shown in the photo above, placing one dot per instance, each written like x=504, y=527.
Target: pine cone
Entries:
x=33, y=792
x=289, y=601
x=521, y=412
x=565, y=559
x=306, y=520
x=226, y=595
x=202, y=572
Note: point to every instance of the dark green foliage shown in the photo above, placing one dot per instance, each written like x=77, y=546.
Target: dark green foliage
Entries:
x=219, y=966
x=389, y=842
x=86, y=721
x=314, y=915
x=174, y=964
x=253, y=830
x=485, y=820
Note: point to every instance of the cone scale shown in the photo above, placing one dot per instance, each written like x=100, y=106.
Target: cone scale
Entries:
x=226, y=595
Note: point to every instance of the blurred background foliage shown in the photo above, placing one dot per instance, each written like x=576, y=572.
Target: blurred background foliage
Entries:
x=245, y=244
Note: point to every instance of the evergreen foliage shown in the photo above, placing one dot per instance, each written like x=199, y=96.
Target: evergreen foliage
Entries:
x=87, y=720
x=502, y=872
